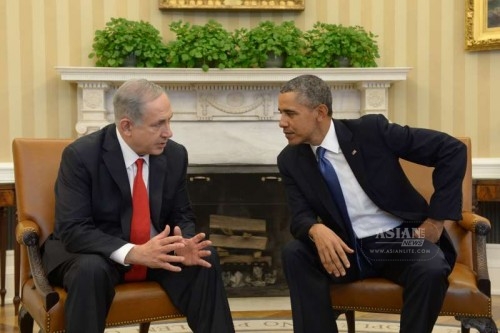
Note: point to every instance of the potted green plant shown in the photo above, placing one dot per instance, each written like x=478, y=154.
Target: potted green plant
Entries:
x=123, y=40
x=329, y=45
x=256, y=46
x=206, y=46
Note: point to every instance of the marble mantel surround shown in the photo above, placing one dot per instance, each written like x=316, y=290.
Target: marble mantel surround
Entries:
x=229, y=116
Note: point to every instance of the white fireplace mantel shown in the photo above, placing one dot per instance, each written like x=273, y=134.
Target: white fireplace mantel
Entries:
x=229, y=116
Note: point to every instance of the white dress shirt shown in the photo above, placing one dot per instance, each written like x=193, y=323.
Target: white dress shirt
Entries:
x=367, y=218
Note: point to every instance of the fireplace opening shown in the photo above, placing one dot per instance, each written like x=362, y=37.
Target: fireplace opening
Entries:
x=244, y=212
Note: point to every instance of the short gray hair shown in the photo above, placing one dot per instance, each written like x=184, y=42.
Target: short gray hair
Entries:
x=130, y=98
x=311, y=91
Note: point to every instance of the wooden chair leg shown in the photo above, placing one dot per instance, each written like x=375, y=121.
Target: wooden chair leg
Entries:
x=144, y=327
x=351, y=321
x=483, y=325
x=25, y=321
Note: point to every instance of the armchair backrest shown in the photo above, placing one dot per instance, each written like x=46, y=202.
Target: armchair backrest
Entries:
x=421, y=178
x=36, y=164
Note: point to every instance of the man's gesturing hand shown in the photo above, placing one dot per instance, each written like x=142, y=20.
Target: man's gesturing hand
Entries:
x=158, y=252
x=194, y=249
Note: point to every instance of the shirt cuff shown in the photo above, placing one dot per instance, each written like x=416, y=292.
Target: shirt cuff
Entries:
x=120, y=254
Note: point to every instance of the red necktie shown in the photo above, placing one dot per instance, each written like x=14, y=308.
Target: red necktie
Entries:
x=140, y=225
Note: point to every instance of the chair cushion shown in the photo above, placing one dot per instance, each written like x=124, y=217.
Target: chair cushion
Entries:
x=463, y=298
x=135, y=302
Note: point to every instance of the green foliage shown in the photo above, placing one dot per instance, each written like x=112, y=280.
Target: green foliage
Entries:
x=206, y=46
x=212, y=46
x=328, y=43
x=122, y=38
x=255, y=45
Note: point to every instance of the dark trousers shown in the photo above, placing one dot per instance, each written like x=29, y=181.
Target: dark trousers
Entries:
x=90, y=280
x=422, y=274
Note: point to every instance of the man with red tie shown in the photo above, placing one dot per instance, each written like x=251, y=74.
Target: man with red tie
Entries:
x=123, y=214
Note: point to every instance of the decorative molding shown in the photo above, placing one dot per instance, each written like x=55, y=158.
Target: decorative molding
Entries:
x=7, y=173
x=486, y=168
x=284, y=5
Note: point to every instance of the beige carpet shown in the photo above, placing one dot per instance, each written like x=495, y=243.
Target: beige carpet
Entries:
x=280, y=326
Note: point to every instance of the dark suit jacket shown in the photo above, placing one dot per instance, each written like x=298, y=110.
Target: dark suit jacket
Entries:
x=94, y=203
x=372, y=147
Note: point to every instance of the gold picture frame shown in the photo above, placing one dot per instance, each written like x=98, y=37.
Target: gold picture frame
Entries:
x=233, y=4
x=482, y=25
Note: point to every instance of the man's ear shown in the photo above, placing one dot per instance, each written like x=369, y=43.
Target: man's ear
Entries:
x=125, y=126
x=322, y=111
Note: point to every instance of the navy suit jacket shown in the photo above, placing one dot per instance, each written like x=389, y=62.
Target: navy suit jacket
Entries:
x=372, y=147
x=94, y=202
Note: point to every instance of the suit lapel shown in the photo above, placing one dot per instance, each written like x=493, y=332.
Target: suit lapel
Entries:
x=157, y=174
x=309, y=166
x=113, y=159
x=351, y=150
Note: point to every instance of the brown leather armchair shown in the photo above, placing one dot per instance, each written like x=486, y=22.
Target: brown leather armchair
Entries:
x=468, y=298
x=36, y=163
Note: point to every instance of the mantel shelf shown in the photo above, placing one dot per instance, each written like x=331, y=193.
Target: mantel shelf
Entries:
x=230, y=75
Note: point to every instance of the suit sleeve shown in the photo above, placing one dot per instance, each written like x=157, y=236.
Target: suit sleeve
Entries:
x=302, y=214
x=445, y=153
x=182, y=214
x=74, y=224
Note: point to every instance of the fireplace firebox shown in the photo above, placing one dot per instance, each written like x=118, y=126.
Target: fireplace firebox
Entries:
x=243, y=209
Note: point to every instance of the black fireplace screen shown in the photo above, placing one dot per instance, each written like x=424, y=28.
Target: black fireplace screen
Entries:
x=246, y=217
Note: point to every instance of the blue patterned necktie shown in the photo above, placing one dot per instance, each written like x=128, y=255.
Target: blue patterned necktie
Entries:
x=332, y=180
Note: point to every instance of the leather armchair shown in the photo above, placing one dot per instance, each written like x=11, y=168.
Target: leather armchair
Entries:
x=468, y=298
x=36, y=163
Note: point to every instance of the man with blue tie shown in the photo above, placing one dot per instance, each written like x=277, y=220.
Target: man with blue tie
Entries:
x=352, y=207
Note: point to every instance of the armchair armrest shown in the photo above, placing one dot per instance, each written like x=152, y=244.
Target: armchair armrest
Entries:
x=480, y=227
x=475, y=223
x=27, y=234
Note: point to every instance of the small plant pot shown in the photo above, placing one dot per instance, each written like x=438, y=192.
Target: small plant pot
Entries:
x=344, y=62
x=130, y=60
x=274, y=61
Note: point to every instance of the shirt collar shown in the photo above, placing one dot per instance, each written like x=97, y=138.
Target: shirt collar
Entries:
x=129, y=155
x=330, y=141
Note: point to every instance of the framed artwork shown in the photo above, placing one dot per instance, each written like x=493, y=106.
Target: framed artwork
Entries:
x=482, y=25
x=232, y=4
